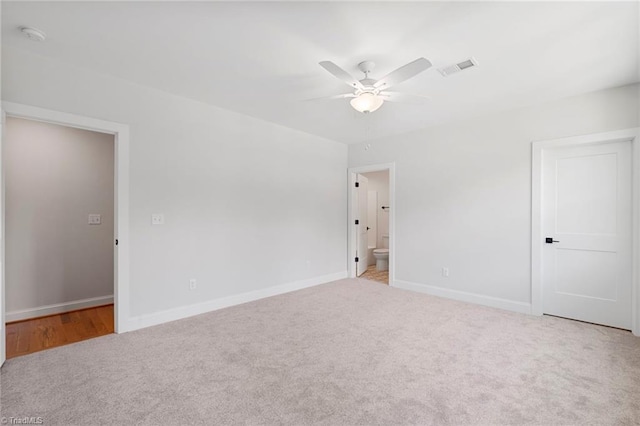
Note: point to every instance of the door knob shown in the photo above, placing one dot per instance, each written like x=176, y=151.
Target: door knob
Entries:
x=550, y=240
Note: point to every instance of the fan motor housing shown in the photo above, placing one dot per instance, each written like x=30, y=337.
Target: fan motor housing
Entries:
x=367, y=82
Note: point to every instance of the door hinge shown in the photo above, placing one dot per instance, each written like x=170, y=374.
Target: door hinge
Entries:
x=116, y=241
x=357, y=259
x=357, y=222
x=357, y=184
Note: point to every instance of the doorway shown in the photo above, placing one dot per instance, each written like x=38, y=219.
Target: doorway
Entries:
x=373, y=230
x=118, y=238
x=59, y=234
x=371, y=222
x=585, y=229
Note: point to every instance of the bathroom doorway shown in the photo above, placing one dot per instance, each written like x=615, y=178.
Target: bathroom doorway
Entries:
x=371, y=223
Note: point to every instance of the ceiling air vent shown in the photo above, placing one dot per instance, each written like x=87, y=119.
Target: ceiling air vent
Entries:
x=452, y=69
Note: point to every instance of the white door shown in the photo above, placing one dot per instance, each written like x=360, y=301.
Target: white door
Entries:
x=362, y=192
x=586, y=225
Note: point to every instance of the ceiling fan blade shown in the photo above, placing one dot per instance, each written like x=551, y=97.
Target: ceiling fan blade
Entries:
x=328, y=98
x=403, y=73
x=403, y=97
x=341, y=74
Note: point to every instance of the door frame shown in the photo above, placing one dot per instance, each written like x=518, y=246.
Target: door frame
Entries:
x=121, y=200
x=538, y=147
x=352, y=173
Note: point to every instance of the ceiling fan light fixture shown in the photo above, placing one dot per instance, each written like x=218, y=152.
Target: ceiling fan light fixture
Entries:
x=367, y=102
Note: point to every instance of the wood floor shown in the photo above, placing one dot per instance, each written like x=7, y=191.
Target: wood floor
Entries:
x=38, y=334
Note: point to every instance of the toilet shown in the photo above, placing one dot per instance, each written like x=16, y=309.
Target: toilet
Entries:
x=382, y=255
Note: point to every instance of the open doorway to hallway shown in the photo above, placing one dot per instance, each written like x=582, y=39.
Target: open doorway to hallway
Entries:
x=59, y=234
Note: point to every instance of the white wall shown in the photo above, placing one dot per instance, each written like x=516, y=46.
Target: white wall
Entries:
x=56, y=176
x=463, y=191
x=2, y=297
x=379, y=182
x=247, y=204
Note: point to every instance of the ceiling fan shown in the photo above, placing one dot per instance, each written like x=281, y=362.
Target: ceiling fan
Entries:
x=370, y=94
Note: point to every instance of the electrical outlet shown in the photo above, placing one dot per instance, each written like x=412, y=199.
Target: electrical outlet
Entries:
x=192, y=284
x=445, y=272
x=157, y=219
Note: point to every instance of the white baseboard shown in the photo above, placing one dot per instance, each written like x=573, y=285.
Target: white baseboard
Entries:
x=57, y=308
x=479, y=299
x=157, y=318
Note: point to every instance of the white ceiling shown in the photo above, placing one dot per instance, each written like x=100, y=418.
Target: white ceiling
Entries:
x=261, y=59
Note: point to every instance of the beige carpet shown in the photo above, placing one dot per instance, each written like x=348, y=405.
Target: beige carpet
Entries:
x=344, y=353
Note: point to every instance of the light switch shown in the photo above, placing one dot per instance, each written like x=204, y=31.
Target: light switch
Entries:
x=157, y=219
x=95, y=219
